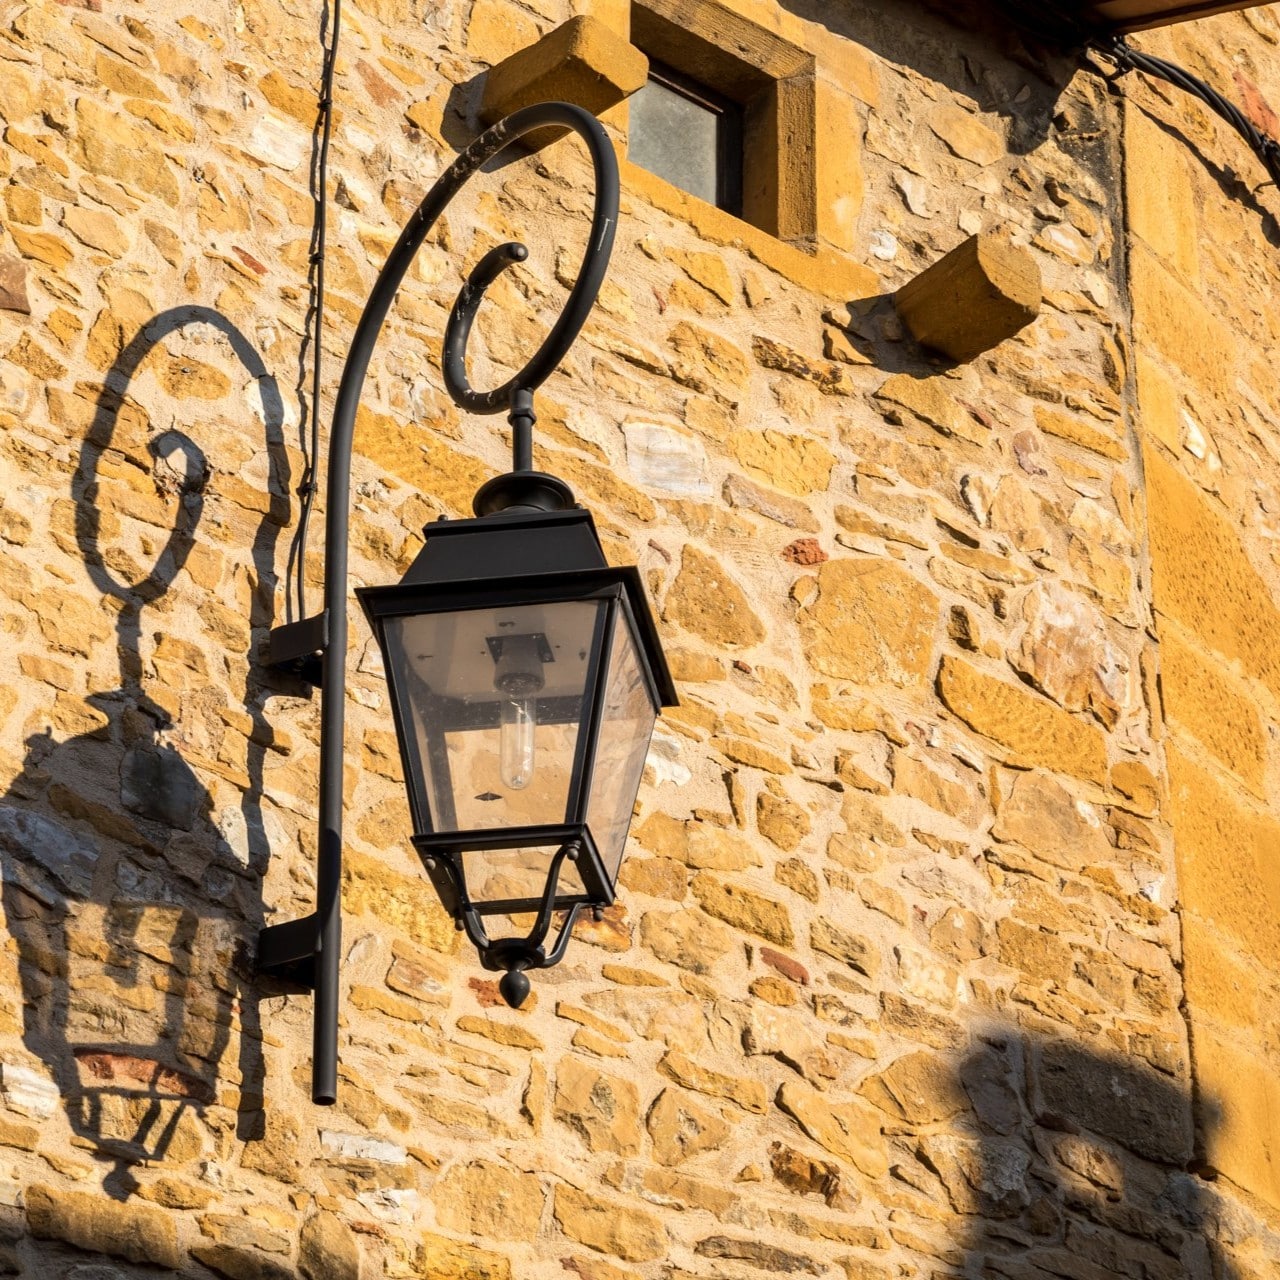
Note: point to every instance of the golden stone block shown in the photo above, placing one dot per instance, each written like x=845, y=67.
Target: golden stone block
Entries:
x=582, y=61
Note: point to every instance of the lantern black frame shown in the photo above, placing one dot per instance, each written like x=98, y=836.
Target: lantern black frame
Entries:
x=467, y=565
x=431, y=842
x=306, y=952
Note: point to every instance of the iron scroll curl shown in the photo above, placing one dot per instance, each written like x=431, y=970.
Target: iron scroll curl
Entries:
x=595, y=261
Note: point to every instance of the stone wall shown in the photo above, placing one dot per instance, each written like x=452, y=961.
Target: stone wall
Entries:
x=1204, y=270
x=894, y=983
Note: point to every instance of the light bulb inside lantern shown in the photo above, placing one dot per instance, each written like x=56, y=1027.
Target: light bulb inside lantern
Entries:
x=519, y=721
x=519, y=678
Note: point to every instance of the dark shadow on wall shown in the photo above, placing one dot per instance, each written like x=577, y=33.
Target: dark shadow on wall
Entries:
x=1243, y=188
x=130, y=910
x=1070, y=1162
x=965, y=45
x=1049, y=107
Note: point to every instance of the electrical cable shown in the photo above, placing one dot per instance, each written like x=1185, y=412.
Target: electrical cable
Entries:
x=1126, y=58
x=314, y=336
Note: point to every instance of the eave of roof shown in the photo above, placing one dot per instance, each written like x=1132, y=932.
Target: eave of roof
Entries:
x=1119, y=16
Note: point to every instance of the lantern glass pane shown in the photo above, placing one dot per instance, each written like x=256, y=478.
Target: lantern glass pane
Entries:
x=626, y=725
x=491, y=701
x=517, y=876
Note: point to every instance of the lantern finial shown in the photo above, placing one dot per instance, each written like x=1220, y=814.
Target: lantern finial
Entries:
x=514, y=988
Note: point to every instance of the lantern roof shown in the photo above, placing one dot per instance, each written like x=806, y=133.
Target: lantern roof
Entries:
x=515, y=544
x=523, y=552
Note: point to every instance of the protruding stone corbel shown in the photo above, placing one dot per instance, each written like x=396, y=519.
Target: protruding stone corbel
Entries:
x=582, y=61
x=982, y=292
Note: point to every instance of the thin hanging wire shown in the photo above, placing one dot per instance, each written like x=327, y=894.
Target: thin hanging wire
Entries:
x=1126, y=58
x=313, y=338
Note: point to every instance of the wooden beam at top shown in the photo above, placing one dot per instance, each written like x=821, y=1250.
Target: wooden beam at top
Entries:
x=1139, y=15
x=1121, y=16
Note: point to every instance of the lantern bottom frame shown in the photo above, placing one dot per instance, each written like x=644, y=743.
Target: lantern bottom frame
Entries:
x=442, y=859
x=442, y=853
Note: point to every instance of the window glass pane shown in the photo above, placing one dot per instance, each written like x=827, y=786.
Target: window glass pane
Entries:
x=676, y=138
x=626, y=726
x=491, y=700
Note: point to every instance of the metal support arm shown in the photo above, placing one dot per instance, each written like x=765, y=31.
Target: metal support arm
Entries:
x=281, y=947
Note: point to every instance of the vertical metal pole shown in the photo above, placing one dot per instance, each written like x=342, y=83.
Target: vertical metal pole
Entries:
x=324, y=1065
x=324, y=1062
x=324, y=1059
x=522, y=419
x=324, y=1052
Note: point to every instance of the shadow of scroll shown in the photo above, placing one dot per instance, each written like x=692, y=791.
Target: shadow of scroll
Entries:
x=131, y=901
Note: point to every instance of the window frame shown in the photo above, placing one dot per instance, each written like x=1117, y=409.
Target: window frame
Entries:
x=774, y=85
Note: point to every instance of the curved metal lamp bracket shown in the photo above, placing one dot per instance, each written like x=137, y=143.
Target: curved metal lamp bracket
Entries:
x=306, y=951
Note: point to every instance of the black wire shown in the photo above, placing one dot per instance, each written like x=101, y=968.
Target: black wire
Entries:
x=314, y=335
x=1126, y=58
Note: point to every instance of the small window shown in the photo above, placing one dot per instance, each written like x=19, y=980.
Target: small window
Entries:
x=690, y=136
x=728, y=114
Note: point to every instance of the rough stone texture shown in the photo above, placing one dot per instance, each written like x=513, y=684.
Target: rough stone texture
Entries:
x=857, y=952
x=871, y=621
x=239, y=1264
x=160, y=785
x=1224, y=845
x=754, y=1253
x=681, y=1129
x=1120, y=1100
x=1033, y=729
x=1067, y=654
x=1204, y=700
x=686, y=938
x=404, y=900
x=1214, y=593
x=965, y=136
x=1243, y=1095
x=706, y=601
x=965, y=812
x=135, y=1233
x=747, y=1093
x=1042, y=815
x=13, y=285
x=610, y=1226
x=933, y=401
x=603, y=1110
x=455, y=1260
x=850, y=1130
x=794, y=463
x=920, y=1088
x=56, y=848
x=744, y=909
x=489, y=1200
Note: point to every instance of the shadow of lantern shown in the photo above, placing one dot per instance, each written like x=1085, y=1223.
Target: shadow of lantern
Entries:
x=1067, y=1158
x=126, y=900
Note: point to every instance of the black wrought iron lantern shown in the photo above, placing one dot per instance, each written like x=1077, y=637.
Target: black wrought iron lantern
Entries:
x=525, y=673
x=525, y=677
